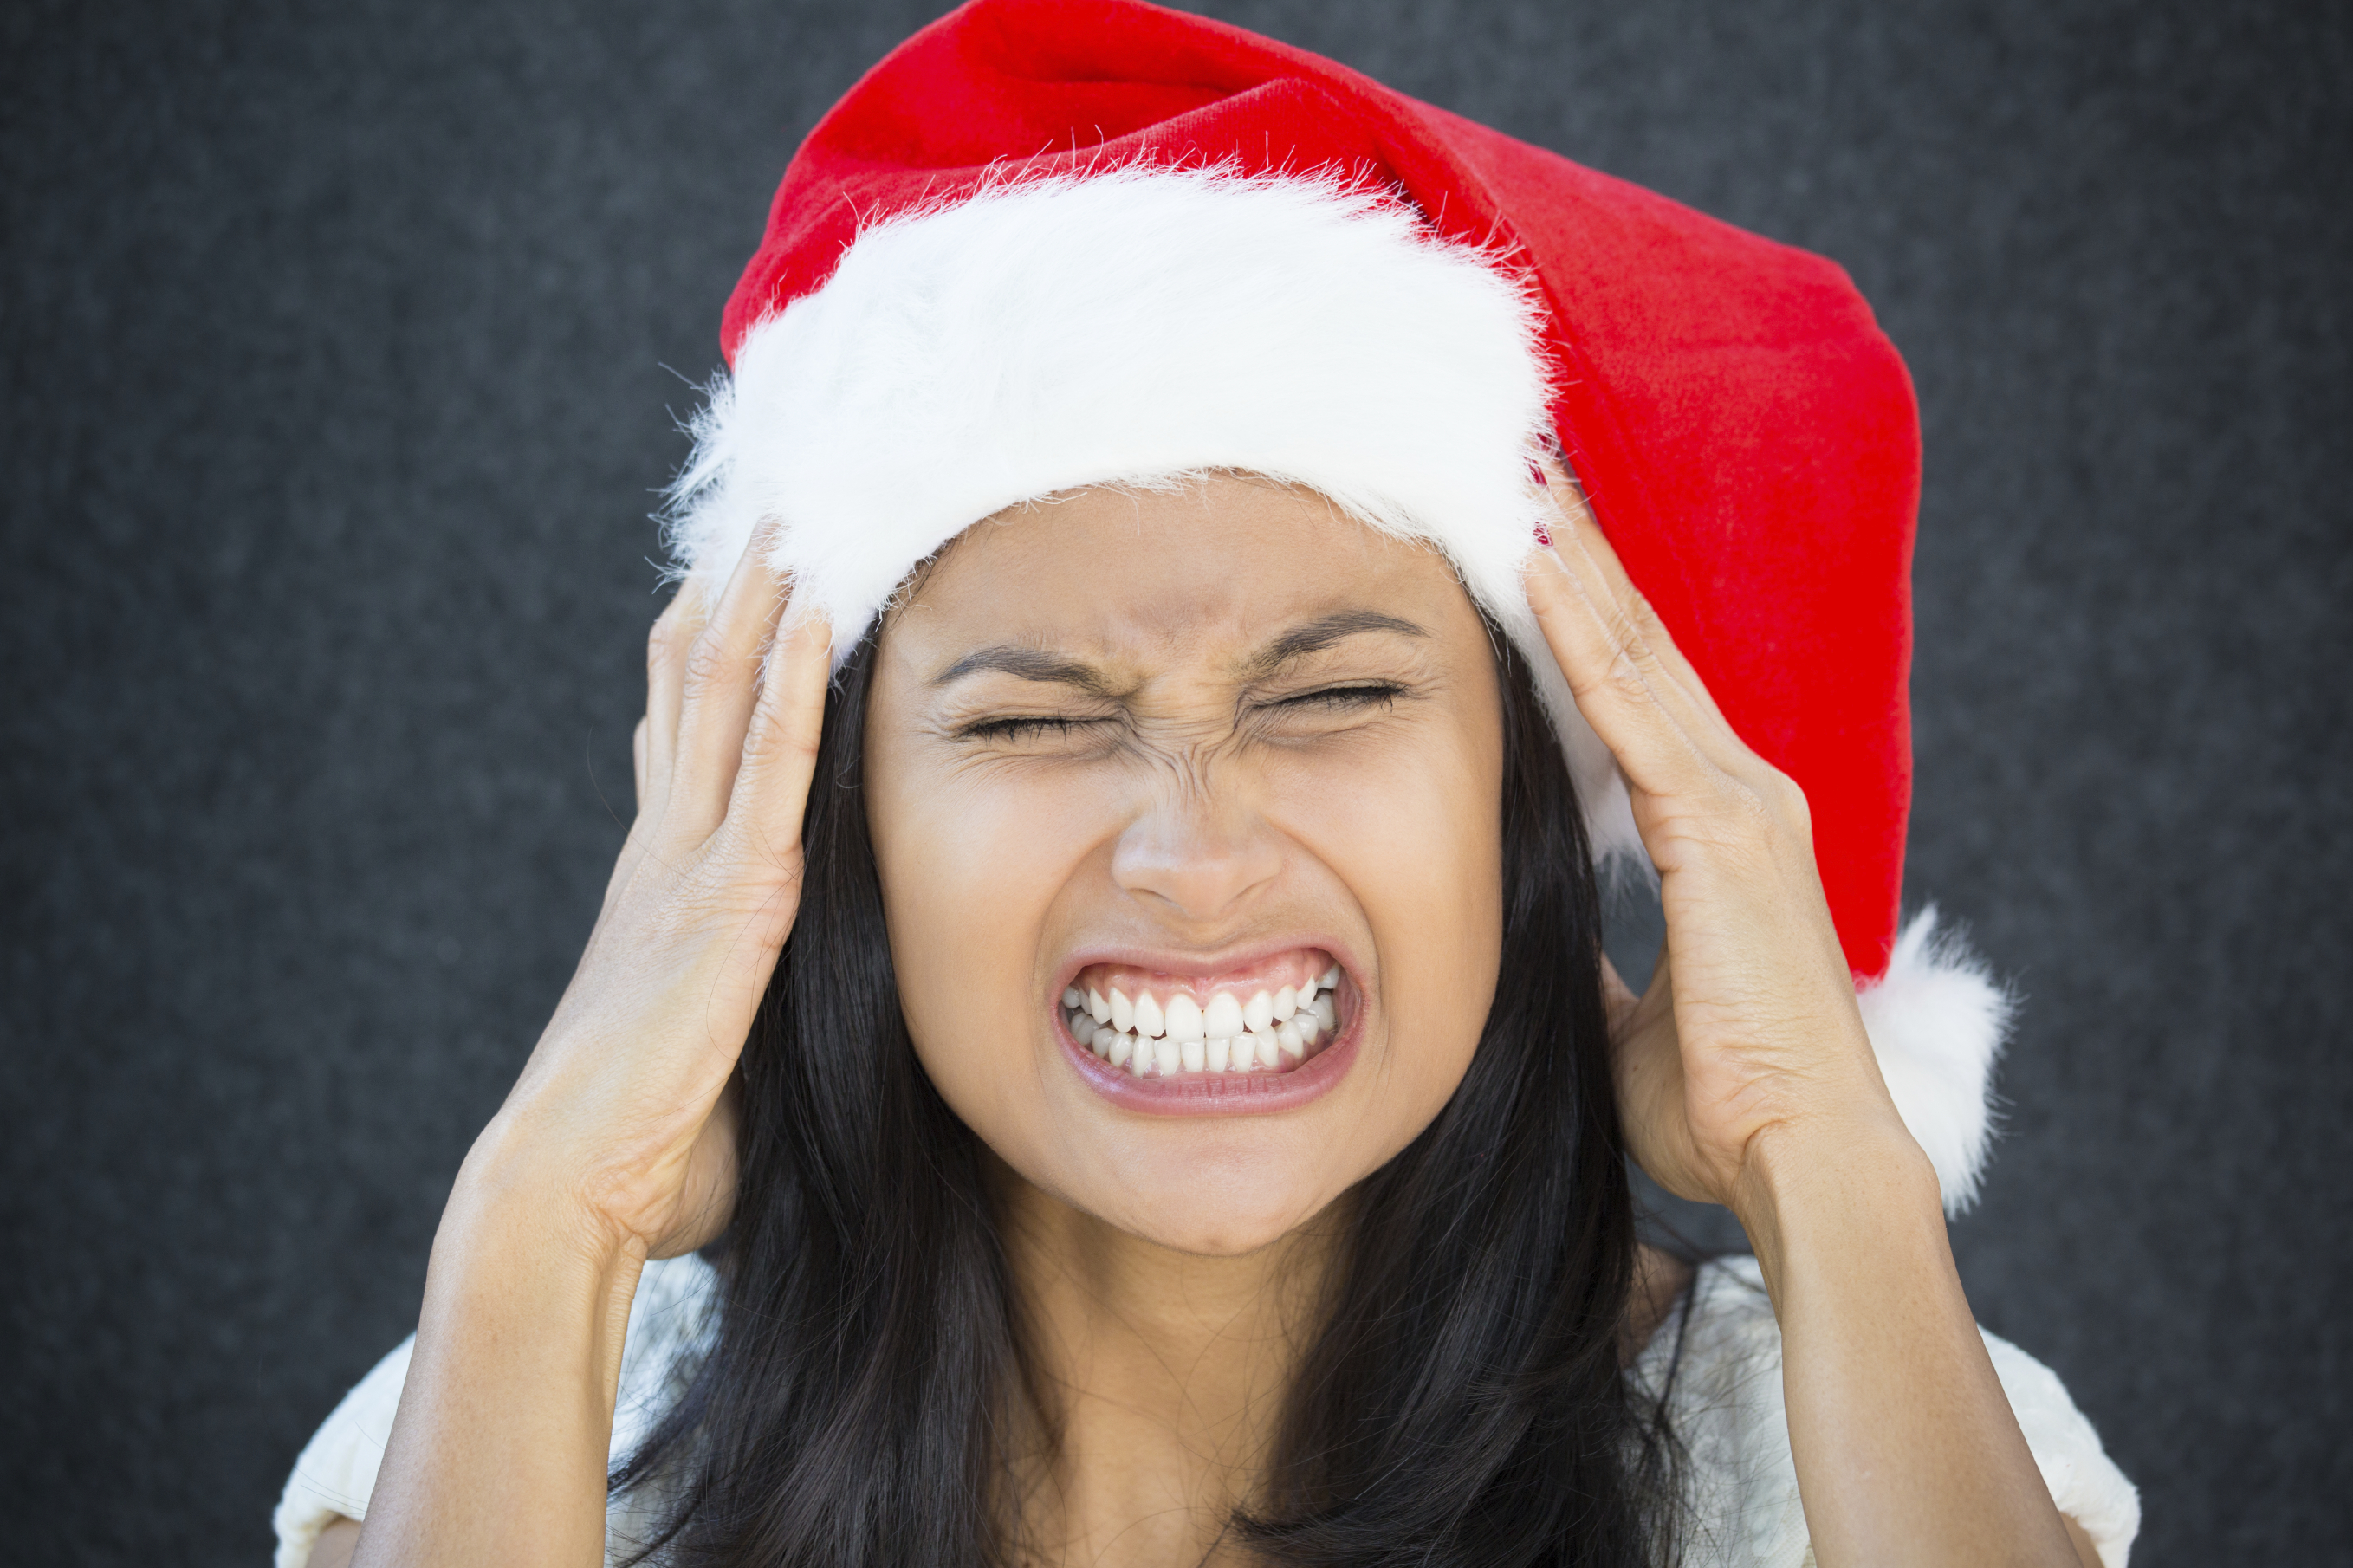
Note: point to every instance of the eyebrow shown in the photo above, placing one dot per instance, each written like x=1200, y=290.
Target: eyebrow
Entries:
x=1059, y=670
x=1029, y=664
x=1318, y=635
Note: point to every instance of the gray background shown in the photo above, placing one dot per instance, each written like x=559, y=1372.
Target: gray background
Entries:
x=334, y=340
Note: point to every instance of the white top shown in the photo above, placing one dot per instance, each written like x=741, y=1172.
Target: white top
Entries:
x=1725, y=1404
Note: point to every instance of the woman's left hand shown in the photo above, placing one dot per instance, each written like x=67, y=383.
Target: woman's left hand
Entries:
x=1744, y=1078
x=1749, y=1031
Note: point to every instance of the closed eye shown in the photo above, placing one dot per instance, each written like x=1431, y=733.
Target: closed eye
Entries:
x=1369, y=694
x=1027, y=727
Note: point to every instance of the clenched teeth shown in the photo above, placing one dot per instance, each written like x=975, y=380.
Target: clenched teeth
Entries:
x=1271, y=1020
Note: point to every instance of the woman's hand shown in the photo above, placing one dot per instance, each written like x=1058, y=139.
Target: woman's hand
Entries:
x=1745, y=1077
x=1748, y=1031
x=622, y=1107
x=614, y=1145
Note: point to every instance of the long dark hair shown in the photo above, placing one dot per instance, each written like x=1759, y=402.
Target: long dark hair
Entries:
x=1462, y=1403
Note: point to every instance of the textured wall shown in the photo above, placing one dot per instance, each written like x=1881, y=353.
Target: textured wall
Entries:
x=334, y=344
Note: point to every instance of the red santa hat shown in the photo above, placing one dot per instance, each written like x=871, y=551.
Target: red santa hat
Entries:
x=1048, y=243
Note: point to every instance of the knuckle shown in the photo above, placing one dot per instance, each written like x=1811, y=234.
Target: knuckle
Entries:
x=1638, y=642
x=706, y=662
x=754, y=867
x=694, y=894
x=1788, y=797
x=1726, y=810
x=1626, y=680
x=1757, y=813
x=1765, y=803
x=665, y=643
x=1643, y=616
x=778, y=731
x=1585, y=682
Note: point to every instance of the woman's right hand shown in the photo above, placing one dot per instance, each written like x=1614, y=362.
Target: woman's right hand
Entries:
x=614, y=1145
x=621, y=1113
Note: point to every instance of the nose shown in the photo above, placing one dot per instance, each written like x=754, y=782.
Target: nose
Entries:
x=1197, y=854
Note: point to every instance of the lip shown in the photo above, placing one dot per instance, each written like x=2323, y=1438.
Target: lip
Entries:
x=1207, y=1094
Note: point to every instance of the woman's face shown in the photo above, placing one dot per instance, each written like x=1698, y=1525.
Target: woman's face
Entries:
x=1180, y=757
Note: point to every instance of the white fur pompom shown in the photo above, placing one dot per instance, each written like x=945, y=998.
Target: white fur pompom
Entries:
x=1936, y=1021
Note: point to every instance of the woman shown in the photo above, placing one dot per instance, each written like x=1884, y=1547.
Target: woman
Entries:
x=1101, y=1008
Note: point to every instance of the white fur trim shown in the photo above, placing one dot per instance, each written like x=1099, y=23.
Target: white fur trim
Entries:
x=1143, y=327
x=1936, y=1021
x=1138, y=327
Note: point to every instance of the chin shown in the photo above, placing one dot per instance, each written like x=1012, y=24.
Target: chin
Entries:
x=1209, y=1197
x=1219, y=1235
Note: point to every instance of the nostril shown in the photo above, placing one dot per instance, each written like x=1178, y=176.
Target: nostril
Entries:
x=1193, y=863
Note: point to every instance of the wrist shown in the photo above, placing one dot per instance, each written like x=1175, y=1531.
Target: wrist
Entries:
x=499, y=1452
x=518, y=1206
x=1865, y=1184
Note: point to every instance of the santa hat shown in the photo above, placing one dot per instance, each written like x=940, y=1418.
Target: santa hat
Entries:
x=1048, y=243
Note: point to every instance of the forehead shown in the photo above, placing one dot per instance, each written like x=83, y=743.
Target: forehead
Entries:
x=1192, y=568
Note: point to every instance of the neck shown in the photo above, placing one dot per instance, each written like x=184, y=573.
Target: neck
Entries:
x=1158, y=1379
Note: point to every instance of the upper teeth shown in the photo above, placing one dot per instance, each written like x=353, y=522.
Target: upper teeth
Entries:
x=1270, y=1031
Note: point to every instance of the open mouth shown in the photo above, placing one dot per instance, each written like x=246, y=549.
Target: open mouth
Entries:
x=1270, y=1018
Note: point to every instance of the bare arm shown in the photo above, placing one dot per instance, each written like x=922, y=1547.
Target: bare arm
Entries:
x=615, y=1143
x=335, y=1544
x=1746, y=1078
x=1906, y=1447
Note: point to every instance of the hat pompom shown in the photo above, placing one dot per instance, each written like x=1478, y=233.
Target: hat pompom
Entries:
x=1937, y=1019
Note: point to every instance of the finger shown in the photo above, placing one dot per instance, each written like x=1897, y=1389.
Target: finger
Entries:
x=1583, y=537
x=780, y=744
x=673, y=633
x=1627, y=658
x=721, y=683
x=638, y=761
x=1616, y=680
x=1581, y=544
x=640, y=830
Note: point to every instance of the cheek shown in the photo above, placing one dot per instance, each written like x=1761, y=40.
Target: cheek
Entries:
x=1415, y=832
x=971, y=867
